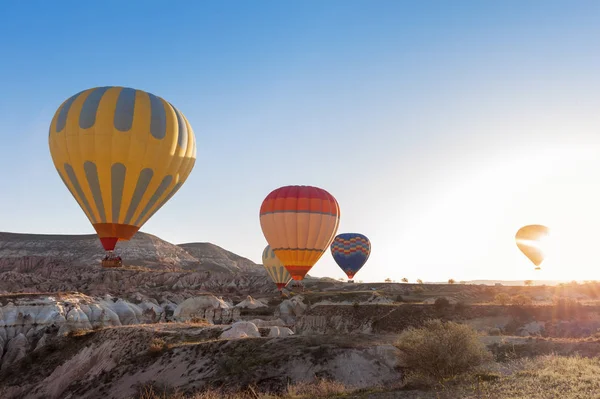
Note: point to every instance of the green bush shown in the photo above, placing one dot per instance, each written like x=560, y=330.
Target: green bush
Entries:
x=441, y=349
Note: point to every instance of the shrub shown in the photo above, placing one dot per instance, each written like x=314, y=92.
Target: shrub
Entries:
x=460, y=306
x=521, y=300
x=157, y=346
x=441, y=303
x=502, y=299
x=418, y=290
x=322, y=388
x=399, y=298
x=441, y=350
x=198, y=320
x=565, y=308
x=494, y=331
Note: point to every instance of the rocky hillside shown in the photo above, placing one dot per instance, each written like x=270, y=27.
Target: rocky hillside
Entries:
x=116, y=362
x=213, y=257
x=143, y=250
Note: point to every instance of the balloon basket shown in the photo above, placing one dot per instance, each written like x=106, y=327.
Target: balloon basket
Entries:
x=112, y=261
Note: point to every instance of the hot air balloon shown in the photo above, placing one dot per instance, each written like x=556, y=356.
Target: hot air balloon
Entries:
x=122, y=153
x=529, y=239
x=350, y=251
x=299, y=223
x=275, y=268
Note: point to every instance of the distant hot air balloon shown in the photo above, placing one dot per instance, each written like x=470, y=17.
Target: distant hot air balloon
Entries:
x=275, y=268
x=122, y=153
x=529, y=242
x=350, y=251
x=299, y=223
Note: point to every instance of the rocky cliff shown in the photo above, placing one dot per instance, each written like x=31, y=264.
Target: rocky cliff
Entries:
x=143, y=250
x=153, y=268
x=213, y=257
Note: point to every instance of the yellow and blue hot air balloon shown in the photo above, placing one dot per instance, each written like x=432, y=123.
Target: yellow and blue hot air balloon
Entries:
x=277, y=271
x=122, y=153
x=350, y=251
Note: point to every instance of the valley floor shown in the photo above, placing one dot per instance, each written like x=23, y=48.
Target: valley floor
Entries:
x=543, y=377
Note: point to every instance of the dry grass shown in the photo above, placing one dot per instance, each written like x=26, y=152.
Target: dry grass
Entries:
x=78, y=332
x=540, y=378
x=157, y=346
x=306, y=390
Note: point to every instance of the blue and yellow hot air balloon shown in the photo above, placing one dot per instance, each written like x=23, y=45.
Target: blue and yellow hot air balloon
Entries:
x=276, y=270
x=350, y=251
x=122, y=153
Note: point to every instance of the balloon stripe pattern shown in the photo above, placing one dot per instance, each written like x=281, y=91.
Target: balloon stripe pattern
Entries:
x=351, y=251
x=528, y=240
x=122, y=153
x=276, y=270
x=299, y=223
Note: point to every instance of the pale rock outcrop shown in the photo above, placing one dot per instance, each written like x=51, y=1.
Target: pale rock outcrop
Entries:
x=15, y=350
x=290, y=309
x=29, y=321
x=76, y=320
x=127, y=312
x=241, y=329
x=280, y=332
x=268, y=323
x=199, y=307
x=152, y=312
x=250, y=303
x=42, y=342
x=533, y=328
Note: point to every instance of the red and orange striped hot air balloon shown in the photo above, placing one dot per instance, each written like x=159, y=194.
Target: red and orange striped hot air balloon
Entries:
x=299, y=223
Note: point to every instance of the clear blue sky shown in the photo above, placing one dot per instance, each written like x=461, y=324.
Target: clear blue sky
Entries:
x=440, y=126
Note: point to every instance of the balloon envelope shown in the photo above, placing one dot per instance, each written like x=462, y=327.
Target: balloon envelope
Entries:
x=122, y=153
x=299, y=223
x=276, y=270
x=350, y=251
x=529, y=239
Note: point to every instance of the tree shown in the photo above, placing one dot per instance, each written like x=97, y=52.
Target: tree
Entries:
x=419, y=281
x=529, y=283
x=451, y=281
x=388, y=280
x=404, y=280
